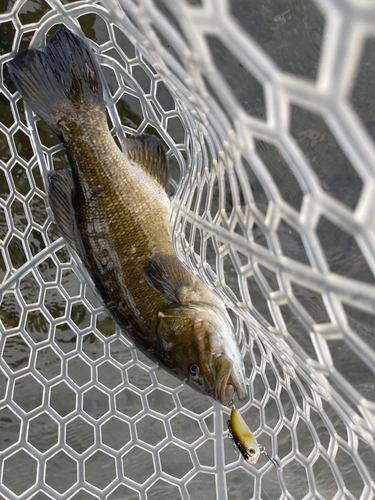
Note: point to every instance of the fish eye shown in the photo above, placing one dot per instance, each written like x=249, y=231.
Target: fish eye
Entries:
x=193, y=369
x=251, y=452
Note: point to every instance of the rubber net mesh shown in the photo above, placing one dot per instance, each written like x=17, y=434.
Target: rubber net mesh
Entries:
x=267, y=115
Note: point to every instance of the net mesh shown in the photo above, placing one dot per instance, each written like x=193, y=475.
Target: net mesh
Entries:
x=267, y=116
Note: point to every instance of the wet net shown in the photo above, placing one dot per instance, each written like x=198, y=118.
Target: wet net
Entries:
x=267, y=112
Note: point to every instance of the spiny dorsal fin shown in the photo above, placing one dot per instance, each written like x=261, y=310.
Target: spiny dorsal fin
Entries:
x=166, y=274
x=148, y=150
x=60, y=197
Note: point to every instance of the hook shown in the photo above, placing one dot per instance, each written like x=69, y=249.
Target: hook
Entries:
x=274, y=462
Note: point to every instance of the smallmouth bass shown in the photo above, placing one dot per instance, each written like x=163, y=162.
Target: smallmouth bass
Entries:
x=113, y=209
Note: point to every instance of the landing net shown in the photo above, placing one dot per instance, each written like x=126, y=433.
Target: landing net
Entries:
x=267, y=112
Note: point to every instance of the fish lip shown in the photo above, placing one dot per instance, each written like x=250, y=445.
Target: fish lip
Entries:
x=225, y=390
x=239, y=385
x=221, y=368
x=227, y=381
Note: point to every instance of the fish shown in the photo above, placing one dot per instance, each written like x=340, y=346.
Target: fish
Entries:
x=112, y=209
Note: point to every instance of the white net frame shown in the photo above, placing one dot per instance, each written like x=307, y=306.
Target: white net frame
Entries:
x=83, y=415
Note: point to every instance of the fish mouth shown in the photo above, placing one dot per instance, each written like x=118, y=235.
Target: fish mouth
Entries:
x=227, y=382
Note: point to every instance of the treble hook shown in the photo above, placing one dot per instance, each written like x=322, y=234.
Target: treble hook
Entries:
x=273, y=460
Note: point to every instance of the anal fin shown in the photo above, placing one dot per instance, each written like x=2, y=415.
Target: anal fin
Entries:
x=60, y=197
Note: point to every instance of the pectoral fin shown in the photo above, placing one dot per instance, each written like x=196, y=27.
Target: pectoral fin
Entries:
x=166, y=274
x=148, y=151
x=60, y=197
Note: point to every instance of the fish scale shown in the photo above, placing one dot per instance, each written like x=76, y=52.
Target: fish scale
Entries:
x=127, y=212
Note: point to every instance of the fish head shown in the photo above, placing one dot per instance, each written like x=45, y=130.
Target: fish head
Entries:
x=198, y=344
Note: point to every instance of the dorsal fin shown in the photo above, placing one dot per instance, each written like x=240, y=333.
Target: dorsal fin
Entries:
x=166, y=274
x=148, y=151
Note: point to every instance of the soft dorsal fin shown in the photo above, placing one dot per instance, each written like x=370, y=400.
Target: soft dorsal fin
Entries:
x=147, y=150
x=60, y=197
x=166, y=274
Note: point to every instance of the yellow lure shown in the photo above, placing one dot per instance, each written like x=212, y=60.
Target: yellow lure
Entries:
x=243, y=437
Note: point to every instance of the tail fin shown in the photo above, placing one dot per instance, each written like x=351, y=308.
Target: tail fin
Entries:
x=60, y=81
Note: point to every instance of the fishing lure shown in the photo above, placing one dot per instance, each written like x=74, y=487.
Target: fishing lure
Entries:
x=245, y=441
